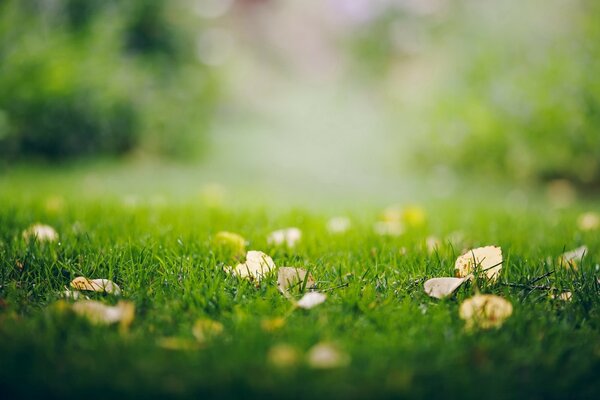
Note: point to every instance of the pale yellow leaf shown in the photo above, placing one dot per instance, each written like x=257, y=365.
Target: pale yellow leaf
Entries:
x=589, y=221
x=442, y=287
x=283, y=356
x=485, y=259
x=573, y=258
x=311, y=299
x=41, y=233
x=256, y=266
x=288, y=236
x=289, y=277
x=96, y=285
x=485, y=311
x=205, y=329
x=272, y=324
x=326, y=356
x=102, y=314
x=233, y=241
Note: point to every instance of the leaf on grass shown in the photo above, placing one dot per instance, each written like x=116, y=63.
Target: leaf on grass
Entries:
x=256, y=266
x=338, y=225
x=177, y=343
x=485, y=311
x=289, y=277
x=41, y=233
x=232, y=241
x=311, y=300
x=574, y=257
x=589, y=221
x=272, y=324
x=485, y=259
x=283, y=355
x=288, y=236
x=325, y=356
x=205, y=329
x=442, y=287
x=96, y=285
x=101, y=314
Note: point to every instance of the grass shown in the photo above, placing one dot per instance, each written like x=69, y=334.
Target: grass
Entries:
x=401, y=342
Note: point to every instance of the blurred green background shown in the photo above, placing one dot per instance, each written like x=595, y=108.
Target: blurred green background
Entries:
x=339, y=92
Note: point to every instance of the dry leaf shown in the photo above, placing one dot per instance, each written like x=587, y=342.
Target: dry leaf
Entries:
x=96, y=285
x=288, y=236
x=485, y=311
x=205, y=329
x=236, y=243
x=289, y=277
x=338, y=224
x=574, y=257
x=283, y=356
x=176, y=343
x=325, y=356
x=272, y=324
x=442, y=287
x=41, y=233
x=257, y=265
x=487, y=259
x=589, y=221
x=102, y=314
x=311, y=299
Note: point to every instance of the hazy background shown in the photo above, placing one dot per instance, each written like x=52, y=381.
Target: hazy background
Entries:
x=344, y=100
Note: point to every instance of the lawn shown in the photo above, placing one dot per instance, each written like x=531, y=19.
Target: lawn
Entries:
x=393, y=339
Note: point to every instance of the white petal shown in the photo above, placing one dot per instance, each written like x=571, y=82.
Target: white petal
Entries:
x=288, y=277
x=288, y=236
x=325, y=356
x=41, y=233
x=311, y=299
x=257, y=265
x=338, y=224
x=442, y=287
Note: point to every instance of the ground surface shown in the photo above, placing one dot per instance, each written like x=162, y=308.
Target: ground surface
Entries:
x=401, y=342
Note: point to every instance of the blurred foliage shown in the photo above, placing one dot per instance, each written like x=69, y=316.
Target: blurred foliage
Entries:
x=518, y=97
x=89, y=77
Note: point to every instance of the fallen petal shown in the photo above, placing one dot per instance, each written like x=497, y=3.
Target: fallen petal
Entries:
x=101, y=314
x=574, y=257
x=289, y=277
x=288, y=236
x=485, y=311
x=41, y=233
x=311, y=299
x=485, y=259
x=257, y=265
x=442, y=287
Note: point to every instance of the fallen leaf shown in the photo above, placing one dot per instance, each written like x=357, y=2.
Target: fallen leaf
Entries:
x=283, y=355
x=205, y=329
x=414, y=216
x=257, y=265
x=289, y=277
x=96, y=285
x=101, y=314
x=41, y=233
x=338, y=225
x=311, y=299
x=232, y=241
x=272, y=324
x=589, y=221
x=486, y=259
x=574, y=257
x=288, y=236
x=442, y=287
x=176, y=343
x=485, y=311
x=564, y=296
x=326, y=356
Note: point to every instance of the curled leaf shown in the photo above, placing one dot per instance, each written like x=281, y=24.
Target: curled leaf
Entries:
x=232, y=241
x=41, y=233
x=485, y=259
x=311, y=299
x=289, y=277
x=288, y=236
x=283, y=355
x=101, y=314
x=256, y=266
x=485, y=311
x=96, y=285
x=574, y=257
x=205, y=329
x=442, y=287
x=338, y=224
x=326, y=356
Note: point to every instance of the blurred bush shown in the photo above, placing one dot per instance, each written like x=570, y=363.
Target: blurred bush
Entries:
x=90, y=77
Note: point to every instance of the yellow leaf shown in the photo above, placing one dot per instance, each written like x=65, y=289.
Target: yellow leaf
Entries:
x=486, y=259
x=414, y=216
x=273, y=324
x=232, y=241
x=289, y=277
x=589, y=221
x=256, y=266
x=283, y=356
x=485, y=311
x=96, y=285
x=205, y=329
x=41, y=233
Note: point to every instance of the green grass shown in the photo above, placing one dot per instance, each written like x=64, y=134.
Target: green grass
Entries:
x=401, y=342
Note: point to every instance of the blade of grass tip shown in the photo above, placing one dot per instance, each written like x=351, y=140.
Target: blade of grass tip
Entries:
x=539, y=278
x=346, y=284
x=365, y=273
